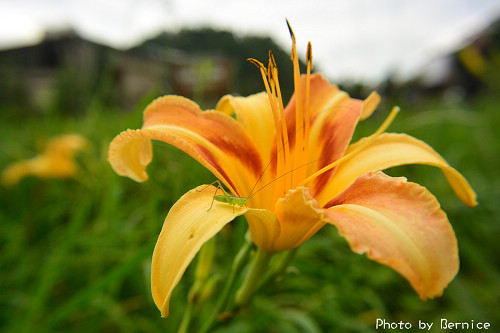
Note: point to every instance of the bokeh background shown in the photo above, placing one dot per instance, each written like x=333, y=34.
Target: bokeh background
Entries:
x=75, y=253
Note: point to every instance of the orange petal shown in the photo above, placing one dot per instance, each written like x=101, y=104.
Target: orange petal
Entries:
x=330, y=136
x=264, y=228
x=255, y=116
x=130, y=153
x=296, y=218
x=369, y=105
x=13, y=173
x=401, y=225
x=189, y=224
x=43, y=166
x=322, y=96
x=390, y=150
x=66, y=144
x=213, y=138
x=334, y=116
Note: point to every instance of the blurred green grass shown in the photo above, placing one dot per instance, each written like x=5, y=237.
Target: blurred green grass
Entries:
x=75, y=254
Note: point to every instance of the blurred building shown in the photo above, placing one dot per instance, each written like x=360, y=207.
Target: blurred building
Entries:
x=473, y=67
x=464, y=73
x=66, y=72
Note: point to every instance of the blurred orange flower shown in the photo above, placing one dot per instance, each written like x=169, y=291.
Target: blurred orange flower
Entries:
x=56, y=161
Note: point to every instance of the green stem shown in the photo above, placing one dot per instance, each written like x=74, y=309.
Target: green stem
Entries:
x=238, y=264
x=203, y=268
x=253, y=279
x=280, y=266
x=193, y=294
x=186, y=318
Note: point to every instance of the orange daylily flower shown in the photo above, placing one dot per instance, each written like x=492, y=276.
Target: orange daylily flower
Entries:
x=56, y=160
x=300, y=172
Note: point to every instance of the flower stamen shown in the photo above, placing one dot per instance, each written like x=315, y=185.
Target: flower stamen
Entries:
x=270, y=85
x=274, y=75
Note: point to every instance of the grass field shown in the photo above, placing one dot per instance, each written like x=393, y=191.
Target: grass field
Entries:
x=75, y=254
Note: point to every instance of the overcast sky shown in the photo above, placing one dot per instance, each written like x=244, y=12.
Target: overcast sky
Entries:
x=352, y=39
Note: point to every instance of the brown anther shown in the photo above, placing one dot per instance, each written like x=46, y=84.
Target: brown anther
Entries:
x=309, y=55
x=257, y=63
x=271, y=59
x=290, y=30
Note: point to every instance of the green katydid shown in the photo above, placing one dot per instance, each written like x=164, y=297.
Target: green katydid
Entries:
x=226, y=197
x=232, y=200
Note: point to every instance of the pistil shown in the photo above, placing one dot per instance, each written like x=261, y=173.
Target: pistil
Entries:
x=307, y=127
x=298, y=152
